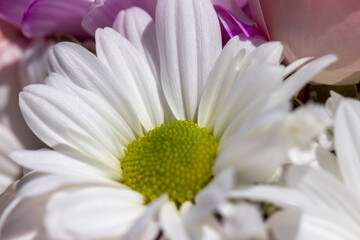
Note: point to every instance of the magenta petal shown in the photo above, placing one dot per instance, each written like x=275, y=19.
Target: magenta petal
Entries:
x=44, y=17
x=234, y=25
x=12, y=11
x=102, y=13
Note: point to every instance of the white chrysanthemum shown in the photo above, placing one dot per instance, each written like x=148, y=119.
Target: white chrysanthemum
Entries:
x=183, y=112
x=334, y=211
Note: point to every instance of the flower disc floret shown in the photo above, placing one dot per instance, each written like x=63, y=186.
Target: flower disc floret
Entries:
x=175, y=158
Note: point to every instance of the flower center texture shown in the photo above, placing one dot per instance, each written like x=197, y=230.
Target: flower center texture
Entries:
x=175, y=158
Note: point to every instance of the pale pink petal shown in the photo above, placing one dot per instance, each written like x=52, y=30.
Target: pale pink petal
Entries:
x=312, y=28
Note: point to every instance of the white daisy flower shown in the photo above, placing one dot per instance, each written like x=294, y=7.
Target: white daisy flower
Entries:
x=334, y=213
x=143, y=134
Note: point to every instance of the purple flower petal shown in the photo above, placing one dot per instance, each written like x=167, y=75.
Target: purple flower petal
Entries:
x=44, y=17
x=234, y=25
x=12, y=11
x=102, y=13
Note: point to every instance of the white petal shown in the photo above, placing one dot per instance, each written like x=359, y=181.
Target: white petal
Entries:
x=242, y=221
x=137, y=230
x=84, y=69
x=295, y=65
x=189, y=41
x=299, y=79
x=347, y=140
x=207, y=200
x=22, y=218
x=59, y=119
x=332, y=103
x=253, y=116
x=133, y=74
x=138, y=27
x=171, y=222
x=324, y=190
x=120, y=128
x=254, y=156
x=328, y=161
x=253, y=84
x=280, y=196
x=306, y=123
x=294, y=225
x=269, y=52
x=92, y=212
x=221, y=79
x=54, y=162
x=38, y=183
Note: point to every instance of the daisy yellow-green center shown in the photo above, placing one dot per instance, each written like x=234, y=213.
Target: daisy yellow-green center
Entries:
x=175, y=158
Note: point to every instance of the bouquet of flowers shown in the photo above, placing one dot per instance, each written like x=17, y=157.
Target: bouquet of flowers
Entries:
x=179, y=119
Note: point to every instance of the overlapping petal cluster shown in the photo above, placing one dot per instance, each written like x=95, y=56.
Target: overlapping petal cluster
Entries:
x=145, y=74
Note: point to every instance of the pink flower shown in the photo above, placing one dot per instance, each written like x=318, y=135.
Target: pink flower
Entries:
x=315, y=28
x=81, y=18
x=233, y=20
x=37, y=18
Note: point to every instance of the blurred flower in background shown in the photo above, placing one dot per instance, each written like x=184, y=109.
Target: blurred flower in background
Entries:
x=315, y=28
x=231, y=14
x=14, y=134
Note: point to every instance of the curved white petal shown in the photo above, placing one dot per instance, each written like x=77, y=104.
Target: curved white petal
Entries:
x=120, y=128
x=251, y=117
x=254, y=156
x=324, y=189
x=208, y=199
x=221, y=79
x=69, y=122
x=296, y=225
x=328, y=161
x=347, y=141
x=332, y=103
x=189, y=41
x=137, y=230
x=38, y=183
x=84, y=69
x=299, y=79
x=138, y=27
x=28, y=215
x=133, y=74
x=92, y=212
x=242, y=221
x=268, y=52
x=171, y=222
x=295, y=65
x=253, y=84
x=280, y=196
x=64, y=163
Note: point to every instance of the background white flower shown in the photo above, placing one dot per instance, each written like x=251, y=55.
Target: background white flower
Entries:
x=334, y=213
